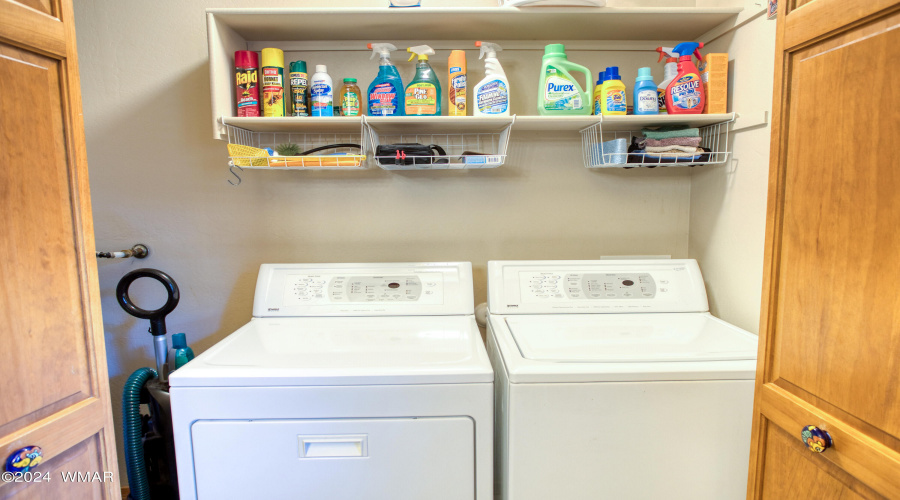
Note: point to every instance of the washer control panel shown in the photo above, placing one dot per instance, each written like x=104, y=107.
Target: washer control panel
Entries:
x=595, y=286
x=313, y=289
x=388, y=289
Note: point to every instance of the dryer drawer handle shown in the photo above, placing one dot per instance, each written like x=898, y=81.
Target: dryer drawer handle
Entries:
x=341, y=446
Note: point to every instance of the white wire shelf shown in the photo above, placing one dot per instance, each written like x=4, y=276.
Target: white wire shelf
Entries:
x=607, y=147
x=473, y=143
x=247, y=150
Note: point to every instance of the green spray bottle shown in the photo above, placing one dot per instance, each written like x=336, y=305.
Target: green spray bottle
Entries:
x=423, y=94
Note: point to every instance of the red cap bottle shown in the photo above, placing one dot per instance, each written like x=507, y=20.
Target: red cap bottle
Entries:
x=246, y=78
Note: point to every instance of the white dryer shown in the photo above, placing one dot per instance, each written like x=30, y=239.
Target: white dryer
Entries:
x=614, y=381
x=350, y=381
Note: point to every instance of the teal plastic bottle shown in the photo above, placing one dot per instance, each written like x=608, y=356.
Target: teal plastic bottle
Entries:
x=423, y=94
x=558, y=92
x=385, y=96
x=183, y=353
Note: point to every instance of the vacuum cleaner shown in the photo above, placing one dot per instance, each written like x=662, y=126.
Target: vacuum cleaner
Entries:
x=148, y=440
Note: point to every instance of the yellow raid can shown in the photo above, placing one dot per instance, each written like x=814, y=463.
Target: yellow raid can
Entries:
x=273, y=82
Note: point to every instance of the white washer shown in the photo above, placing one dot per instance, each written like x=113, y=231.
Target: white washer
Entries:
x=613, y=381
x=351, y=381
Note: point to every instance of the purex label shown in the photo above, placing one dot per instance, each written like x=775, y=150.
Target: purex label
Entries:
x=560, y=92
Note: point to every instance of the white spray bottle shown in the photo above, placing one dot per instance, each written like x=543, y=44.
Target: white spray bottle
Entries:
x=669, y=74
x=491, y=93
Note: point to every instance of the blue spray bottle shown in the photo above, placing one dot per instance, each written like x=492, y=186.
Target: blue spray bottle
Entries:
x=646, y=99
x=385, y=96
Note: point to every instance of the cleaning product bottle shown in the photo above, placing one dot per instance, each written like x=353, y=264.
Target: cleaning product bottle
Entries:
x=685, y=94
x=558, y=91
x=350, y=103
x=183, y=353
x=299, y=82
x=384, y=92
x=598, y=92
x=322, y=92
x=645, y=96
x=456, y=93
x=273, y=82
x=670, y=71
x=423, y=94
x=246, y=79
x=491, y=93
x=613, y=92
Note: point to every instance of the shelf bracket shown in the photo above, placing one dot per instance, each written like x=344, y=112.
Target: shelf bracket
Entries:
x=750, y=120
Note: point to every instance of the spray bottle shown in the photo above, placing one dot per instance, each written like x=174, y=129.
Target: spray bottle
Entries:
x=384, y=92
x=670, y=71
x=491, y=93
x=685, y=94
x=423, y=94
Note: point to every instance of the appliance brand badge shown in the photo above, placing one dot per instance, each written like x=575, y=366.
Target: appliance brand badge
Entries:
x=274, y=308
x=512, y=305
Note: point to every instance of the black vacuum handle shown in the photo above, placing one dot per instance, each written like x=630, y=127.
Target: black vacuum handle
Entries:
x=157, y=317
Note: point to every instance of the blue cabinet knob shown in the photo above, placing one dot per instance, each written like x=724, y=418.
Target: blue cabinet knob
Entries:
x=24, y=459
x=816, y=439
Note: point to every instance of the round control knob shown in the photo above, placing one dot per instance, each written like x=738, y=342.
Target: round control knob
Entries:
x=816, y=439
x=24, y=459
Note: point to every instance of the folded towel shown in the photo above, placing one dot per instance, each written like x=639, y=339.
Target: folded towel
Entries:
x=672, y=149
x=670, y=131
x=672, y=141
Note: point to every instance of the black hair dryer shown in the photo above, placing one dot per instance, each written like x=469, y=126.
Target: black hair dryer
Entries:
x=157, y=317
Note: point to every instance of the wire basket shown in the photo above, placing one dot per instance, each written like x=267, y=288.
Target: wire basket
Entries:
x=247, y=150
x=609, y=148
x=465, y=150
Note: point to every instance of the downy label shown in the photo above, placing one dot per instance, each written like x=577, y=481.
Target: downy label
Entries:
x=615, y=101
x=421, y=99
x=646, y=101
x=560, y=92
x=493, y=97
x=383, y=100
x=686, y=92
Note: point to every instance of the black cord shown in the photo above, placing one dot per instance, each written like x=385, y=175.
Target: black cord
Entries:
x=330, y=146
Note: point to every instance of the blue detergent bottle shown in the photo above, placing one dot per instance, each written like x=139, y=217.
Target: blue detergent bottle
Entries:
x=183, y=353
x=385, y=95
x=646, y=98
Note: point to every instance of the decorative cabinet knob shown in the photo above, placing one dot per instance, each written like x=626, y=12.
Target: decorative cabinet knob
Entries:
x=25, y=459
x=816, y=439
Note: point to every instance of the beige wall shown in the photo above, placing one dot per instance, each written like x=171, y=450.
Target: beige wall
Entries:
x=728, y=203
x=158, y=178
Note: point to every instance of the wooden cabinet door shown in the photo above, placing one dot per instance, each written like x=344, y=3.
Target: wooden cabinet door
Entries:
x=54, y=391
x=830, y=331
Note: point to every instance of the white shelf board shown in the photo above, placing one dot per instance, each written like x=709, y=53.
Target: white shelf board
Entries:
x=466, y=124
x=611, y=123
x=424, y=24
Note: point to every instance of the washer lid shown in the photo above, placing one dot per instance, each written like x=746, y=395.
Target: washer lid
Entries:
x=343, y=351
x=629, y=338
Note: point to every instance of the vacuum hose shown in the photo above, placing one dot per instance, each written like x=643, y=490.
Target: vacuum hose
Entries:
x=131, y=423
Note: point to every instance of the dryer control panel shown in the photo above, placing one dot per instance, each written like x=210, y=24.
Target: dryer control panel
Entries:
x=595, y=286
x=364, y=289
x=590, y=286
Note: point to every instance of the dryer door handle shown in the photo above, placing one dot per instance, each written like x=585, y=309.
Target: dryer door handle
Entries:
x=340, y=446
